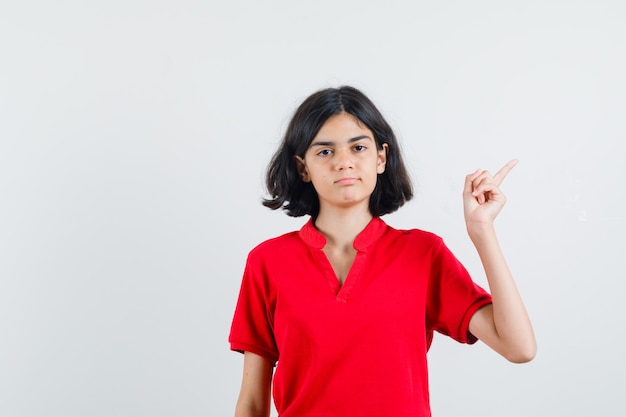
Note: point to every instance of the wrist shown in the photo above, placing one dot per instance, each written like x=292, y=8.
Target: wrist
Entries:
x=480, y=231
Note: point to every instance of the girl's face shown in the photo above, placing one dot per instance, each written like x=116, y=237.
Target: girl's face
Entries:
x=343, y=163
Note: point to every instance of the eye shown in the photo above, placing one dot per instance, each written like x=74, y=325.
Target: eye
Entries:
x=324, y=152
x=360, y=148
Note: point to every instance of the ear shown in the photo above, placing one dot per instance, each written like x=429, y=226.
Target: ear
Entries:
x=382, y=159
x=301, y=167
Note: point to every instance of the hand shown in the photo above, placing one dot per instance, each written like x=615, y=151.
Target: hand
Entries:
x=482, y=198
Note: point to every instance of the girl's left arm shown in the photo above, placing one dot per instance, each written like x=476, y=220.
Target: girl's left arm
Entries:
x=503, y=325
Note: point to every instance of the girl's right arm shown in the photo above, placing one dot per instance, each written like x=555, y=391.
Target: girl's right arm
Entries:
x=254, y=397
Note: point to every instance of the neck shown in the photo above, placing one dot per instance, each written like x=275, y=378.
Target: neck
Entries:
x=340, y=228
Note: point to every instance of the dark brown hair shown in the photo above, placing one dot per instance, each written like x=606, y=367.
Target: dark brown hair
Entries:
x=285, y=186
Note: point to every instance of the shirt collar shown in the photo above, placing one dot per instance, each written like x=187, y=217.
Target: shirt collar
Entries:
x=374, y=229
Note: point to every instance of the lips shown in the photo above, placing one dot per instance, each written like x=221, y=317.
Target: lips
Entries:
x=347, y=181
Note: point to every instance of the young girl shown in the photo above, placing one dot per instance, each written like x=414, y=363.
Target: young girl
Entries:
x=345, y=308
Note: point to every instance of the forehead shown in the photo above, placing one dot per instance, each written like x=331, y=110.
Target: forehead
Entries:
x=343, y=126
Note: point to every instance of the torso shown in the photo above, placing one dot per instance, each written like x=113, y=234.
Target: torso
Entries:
x=357, y=348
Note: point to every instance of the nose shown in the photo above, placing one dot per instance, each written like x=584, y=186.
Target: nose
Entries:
x=343, y=160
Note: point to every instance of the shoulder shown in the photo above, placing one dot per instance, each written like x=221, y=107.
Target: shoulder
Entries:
x=415, y=235
x=266, y=260
x=276, y=245
x=416, y=243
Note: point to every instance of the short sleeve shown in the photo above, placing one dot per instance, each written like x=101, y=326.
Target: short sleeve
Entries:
x=453, y=297
x=252, y=325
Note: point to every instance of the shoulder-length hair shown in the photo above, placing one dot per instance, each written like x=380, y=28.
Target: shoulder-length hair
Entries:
x=285, y=186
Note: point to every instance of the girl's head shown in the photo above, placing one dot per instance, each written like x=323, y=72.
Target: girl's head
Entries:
x=297, y=197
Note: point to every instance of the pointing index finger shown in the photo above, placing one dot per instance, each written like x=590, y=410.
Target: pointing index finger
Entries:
x=504, y=171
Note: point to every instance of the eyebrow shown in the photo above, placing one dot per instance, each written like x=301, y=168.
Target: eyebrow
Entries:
x=330, y=143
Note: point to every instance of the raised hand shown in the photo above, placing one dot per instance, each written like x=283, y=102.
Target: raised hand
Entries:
x=482, y=198
x=504, y=325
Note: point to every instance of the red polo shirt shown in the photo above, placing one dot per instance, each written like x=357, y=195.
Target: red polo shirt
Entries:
x=357, y=349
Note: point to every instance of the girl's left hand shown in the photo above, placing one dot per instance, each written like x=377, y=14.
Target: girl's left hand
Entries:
x=482, y=198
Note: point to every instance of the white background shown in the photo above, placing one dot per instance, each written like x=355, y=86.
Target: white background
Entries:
x=133, y=140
